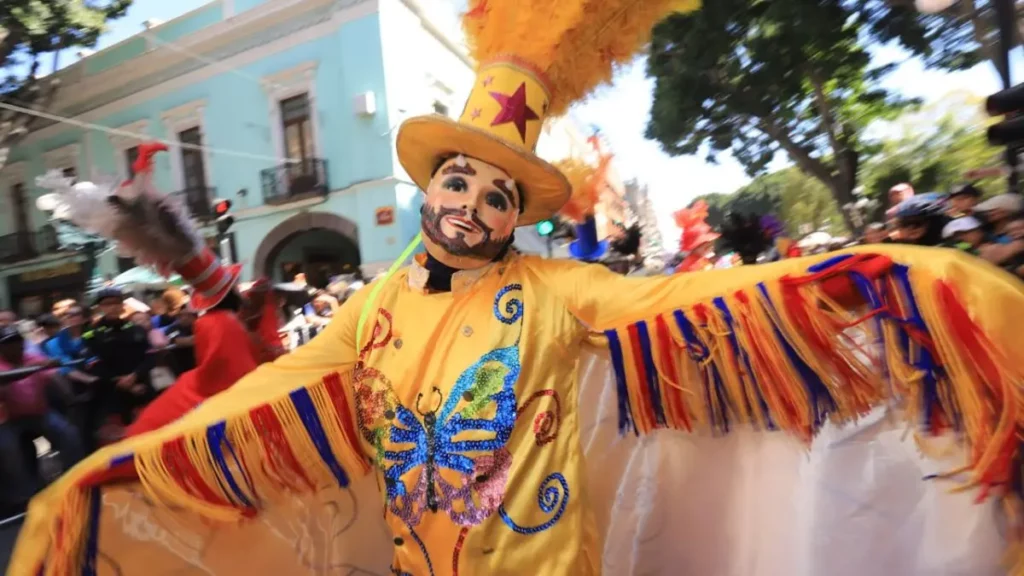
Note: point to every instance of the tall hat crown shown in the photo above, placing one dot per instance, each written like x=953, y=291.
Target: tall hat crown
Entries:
x=153, y=228
x=534, y=59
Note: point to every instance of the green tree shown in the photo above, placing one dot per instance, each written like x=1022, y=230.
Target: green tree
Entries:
x=934, y=149
x=757, y=77
x=31, y=30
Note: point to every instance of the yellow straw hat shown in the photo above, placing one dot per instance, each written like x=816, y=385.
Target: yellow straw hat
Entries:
x=536, y=57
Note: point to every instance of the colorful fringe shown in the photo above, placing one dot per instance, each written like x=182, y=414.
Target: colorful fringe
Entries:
x=300, y=443
x=779, y=356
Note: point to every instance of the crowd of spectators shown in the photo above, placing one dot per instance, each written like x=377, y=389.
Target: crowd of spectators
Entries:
x=992, y=228
x=78, y=375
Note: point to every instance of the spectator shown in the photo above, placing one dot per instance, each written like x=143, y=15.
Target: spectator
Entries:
x=875, y=233
x=897, y=194
x=965, y=233
x=68, y=346
x=161, y=316
x=999, y=211
x=963, y=199
x=25, y=413
x=61, y=307
x=7, y=317
x=182, y=335
x=157, y=338
x=123, y=363
x=49, y=326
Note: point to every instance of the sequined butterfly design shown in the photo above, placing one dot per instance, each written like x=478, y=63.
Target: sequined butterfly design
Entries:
x=428, y=438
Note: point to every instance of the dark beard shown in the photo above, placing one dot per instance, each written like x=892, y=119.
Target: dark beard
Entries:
x=430, y=222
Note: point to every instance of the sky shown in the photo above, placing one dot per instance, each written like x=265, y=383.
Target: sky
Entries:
x=621, y=111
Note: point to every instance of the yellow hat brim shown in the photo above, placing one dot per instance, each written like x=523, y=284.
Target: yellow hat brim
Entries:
x=422, y=142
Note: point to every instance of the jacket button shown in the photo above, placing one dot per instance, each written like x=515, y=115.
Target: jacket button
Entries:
x=398, y=343
x=467, y=331
x=399, y=541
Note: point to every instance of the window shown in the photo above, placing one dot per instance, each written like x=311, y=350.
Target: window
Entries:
x=440, y=109
x=298, y=128
x=130, y=156
x=192, y=164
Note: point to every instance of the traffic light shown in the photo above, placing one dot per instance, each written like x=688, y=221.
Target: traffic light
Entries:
x=1009, y=102
x=222, y=211
x=545, y=227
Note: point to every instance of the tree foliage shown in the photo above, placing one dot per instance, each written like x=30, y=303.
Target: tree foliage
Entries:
x=759, y=77
x=933, y=149
x=34, y=30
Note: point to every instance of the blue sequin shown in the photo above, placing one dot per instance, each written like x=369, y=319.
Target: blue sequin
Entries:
x=513, y=308
x=433, y=430
x=549, y=497
x=433, y=438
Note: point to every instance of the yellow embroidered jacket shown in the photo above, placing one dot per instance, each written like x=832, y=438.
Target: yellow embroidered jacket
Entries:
x=464, y=404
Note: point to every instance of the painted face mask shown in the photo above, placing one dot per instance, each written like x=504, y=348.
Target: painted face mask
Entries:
x=470, y=213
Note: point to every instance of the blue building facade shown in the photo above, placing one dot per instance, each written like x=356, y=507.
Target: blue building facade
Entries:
x=288, y=108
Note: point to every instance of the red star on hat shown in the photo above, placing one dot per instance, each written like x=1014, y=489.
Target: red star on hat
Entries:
x=514, y=110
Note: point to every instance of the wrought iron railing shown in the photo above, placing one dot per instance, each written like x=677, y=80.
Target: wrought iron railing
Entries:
x=26, y=245
x=198, y=200
x=295, y=181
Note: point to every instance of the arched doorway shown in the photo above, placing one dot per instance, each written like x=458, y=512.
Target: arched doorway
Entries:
x=317, y=244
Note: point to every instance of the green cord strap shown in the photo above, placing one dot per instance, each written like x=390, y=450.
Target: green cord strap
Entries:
x=368, y=305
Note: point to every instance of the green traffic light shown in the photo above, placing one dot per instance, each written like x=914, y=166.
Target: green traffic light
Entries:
x=545, y=227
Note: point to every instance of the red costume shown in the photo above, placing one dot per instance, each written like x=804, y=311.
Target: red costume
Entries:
x=157, y=231
x=262, y=322
x=695, y=236
x=220, y=362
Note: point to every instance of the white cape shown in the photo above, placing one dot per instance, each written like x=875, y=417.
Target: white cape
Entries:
x=669, y=503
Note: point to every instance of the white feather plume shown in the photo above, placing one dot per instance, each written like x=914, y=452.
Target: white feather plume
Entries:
x=153, y=228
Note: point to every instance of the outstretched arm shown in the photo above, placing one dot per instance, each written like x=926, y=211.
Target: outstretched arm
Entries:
x=789, y=344
x=287, y=414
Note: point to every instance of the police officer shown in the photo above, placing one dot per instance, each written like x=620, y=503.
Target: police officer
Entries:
x=123, y=362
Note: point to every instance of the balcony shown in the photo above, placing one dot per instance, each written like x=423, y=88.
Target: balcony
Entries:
x=199, y=200
x=293, y=182
x=27, y=245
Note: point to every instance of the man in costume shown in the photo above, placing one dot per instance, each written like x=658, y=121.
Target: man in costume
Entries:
x=455, y=379
x=158, y=232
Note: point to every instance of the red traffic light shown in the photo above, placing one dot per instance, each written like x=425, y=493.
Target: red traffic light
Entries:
x=221, y=207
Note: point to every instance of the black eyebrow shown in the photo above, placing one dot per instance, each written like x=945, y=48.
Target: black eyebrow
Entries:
x=500, y=184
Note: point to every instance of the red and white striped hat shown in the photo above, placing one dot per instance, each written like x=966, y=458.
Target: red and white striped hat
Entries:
x=211, y=280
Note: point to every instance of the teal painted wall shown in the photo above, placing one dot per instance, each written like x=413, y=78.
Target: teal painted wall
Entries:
x=131, y=48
